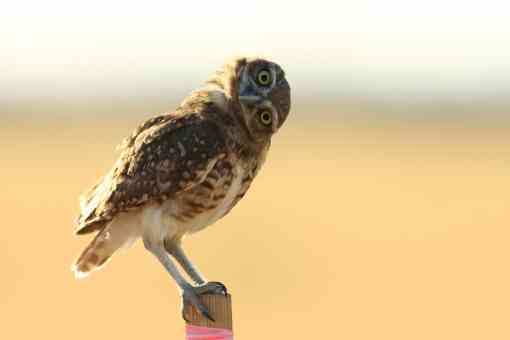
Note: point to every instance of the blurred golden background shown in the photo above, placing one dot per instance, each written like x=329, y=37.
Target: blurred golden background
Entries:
x=381, y=213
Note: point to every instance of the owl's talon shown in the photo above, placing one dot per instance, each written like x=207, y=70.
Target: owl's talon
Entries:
x=183, y=314
x=190, y=295
x=211, y=287
x=205, y=313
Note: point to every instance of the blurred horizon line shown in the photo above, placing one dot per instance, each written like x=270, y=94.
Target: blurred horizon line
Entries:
x=399, y=107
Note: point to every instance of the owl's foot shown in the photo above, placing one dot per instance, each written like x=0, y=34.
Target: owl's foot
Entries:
x=211, y=287
x=190, y=295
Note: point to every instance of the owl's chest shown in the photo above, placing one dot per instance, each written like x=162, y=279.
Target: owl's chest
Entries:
x=212, y=199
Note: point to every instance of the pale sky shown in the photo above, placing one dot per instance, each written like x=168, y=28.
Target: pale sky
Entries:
x=353, y=47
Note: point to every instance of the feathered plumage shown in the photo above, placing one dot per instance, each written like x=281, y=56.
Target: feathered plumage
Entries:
x=182, y=171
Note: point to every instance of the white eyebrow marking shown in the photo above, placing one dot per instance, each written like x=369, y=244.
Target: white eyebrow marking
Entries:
x=273, y=74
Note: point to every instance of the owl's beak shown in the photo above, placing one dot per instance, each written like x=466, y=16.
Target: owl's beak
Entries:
x=249, y=99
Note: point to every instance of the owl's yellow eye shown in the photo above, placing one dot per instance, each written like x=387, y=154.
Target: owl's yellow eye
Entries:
x=265, y=117
x=264, y=78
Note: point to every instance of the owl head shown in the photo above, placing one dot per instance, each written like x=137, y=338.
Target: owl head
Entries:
x=260, y=94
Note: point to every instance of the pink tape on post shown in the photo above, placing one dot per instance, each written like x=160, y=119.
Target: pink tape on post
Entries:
x=206, y=333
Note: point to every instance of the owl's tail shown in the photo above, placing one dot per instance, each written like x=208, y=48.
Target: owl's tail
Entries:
x=97, y=253
x=119, y=233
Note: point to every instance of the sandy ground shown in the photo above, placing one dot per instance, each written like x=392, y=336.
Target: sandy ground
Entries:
x=353, y=230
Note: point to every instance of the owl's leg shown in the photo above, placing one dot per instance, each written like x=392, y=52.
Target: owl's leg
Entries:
x=204, y=286
x=188, y=292
x=178, y=253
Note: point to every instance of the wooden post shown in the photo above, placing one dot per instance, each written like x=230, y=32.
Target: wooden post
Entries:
x=220, y=308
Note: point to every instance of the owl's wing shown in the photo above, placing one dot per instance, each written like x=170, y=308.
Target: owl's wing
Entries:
x=164, y=156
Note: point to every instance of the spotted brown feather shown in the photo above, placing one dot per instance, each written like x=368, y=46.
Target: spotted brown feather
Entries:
x=165, y=156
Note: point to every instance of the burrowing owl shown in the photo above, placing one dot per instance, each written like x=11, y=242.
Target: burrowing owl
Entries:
x=182, y=171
